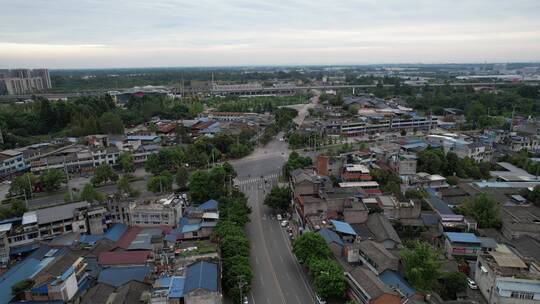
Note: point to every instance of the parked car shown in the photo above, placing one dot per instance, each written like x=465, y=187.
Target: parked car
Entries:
x=279, y=217
x=472, y=284
x=246, y=300
x=284, y=223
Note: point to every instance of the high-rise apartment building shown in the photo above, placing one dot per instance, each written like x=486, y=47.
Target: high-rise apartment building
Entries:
x=24, y=81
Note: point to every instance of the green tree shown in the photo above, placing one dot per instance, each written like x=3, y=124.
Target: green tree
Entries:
x=484, y=210
x=16, y=208
x=422, y=265
x=52, y=179
x=328, y=278
x=124, y=188
x=294, y=162
x=182, y=176
x=125, y=161
x=534, y=196
x=111, y=123
x=23, y=185
x=451, y=283
x=90, y=194
x=104, y=174
x=20, y=287
x=310, y=245
x=279, y=198
x=160, y=183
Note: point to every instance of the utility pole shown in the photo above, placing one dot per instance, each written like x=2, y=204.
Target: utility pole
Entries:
x=67, y=178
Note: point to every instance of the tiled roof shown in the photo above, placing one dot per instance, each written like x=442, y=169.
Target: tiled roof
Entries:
x=201, y=275
x=330, y=236
x=117, y=276
x=124, y=258
x=396, y=282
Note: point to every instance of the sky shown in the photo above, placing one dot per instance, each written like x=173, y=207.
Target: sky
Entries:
x=137, y=33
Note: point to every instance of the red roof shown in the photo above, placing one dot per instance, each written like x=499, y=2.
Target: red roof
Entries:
x=124, y=258
x=167, y=128
x=127, y=238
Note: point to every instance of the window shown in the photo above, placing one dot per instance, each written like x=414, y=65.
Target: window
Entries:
x=522, y=295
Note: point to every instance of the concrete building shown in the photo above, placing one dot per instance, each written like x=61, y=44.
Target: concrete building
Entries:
x=503, y=278
x=462, y=147
x=166, y=211
x=365, y=126
x=330, y=165
x=11, y=161
x=24, y=81
x=463, y=245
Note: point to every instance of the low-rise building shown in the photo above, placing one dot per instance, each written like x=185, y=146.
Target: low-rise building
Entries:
x=11, y=162
x=503, y=278
x=462, y=244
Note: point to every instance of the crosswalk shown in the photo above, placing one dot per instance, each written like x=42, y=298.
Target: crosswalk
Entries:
x=256, y=180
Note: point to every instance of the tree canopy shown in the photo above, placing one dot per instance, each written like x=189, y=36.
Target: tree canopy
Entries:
x=279, y=198
x=484, y=210
x=422, y=265
x=310, y=245
x=104, y=174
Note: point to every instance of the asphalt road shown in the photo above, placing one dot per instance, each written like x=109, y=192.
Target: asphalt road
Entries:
x=277, y=276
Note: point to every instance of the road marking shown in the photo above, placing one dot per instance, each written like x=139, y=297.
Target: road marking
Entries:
x=298, y=299
x=282, y=261
x=252, y=297
x=288, y=276
x=268, y=301
x=300, y=272
x=256, y=260
x=261, y=279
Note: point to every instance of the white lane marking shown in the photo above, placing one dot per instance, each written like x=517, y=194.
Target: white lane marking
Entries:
x=252, y=297
x=261, y=279
x=256, y=260
x=282, y=261
x=298, y=299
x=268, y=301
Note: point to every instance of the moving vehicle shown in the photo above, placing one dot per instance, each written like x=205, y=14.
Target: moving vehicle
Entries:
x=245, y=300
x=472, y=284
x=279, y=217
x=284, y=223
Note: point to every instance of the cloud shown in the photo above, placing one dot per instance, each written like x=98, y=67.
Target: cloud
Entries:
x=98, y=33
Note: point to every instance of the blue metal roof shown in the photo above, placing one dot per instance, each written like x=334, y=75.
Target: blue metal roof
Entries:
x=23, y=249
x=462, y=237
x=343, y=227
x=209, y=205
x=171, y=237
x=143, y=137
x=517, y=285
x=116, y=232
x=176, y=289
x=26, y=269
x=90, y=238
x=118, y=276
x=191, y=227
x=330, y=236
x=429, y=219
x=201, y=275
x=395, y=281
x=164, y=282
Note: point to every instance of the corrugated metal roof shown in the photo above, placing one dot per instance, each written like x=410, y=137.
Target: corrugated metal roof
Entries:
x=462, y=237
x=176, y=289
x=201, y=275
x=343, y=227
x=116, y=232
x=519, y=285
x=209, y=205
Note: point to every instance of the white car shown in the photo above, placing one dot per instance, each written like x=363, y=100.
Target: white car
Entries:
x=284, y=224
x=472, y=284
x=279, y=217
x=245, y=300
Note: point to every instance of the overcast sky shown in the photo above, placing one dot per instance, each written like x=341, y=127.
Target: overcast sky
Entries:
x=137, y=33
